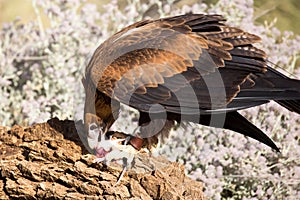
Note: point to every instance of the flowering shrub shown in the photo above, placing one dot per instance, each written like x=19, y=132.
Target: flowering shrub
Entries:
x=41, y=66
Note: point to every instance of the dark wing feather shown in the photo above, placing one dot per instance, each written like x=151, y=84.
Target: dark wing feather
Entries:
x=272, y=85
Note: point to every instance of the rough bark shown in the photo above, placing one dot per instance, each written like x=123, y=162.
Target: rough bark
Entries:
x=48, y=161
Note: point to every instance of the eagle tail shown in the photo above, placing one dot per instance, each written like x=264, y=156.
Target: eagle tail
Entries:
x=292, y=105
x=236, y=122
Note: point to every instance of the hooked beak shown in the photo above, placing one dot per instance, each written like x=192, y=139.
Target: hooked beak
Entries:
x=95, y=130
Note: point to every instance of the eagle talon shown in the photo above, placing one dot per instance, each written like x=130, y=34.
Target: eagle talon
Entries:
x=127, y=139
x=123, y=171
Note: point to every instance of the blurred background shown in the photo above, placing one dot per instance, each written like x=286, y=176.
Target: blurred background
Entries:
x=286, y=12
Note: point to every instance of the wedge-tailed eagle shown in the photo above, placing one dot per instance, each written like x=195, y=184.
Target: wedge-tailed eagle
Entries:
x=190, y=67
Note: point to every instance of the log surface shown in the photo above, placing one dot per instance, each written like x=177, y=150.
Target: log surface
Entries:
x=48, y=161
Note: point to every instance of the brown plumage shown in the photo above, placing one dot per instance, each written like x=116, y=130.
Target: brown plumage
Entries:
x=190, y=67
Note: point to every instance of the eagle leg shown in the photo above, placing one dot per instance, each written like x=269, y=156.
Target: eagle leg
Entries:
x=136, y=142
